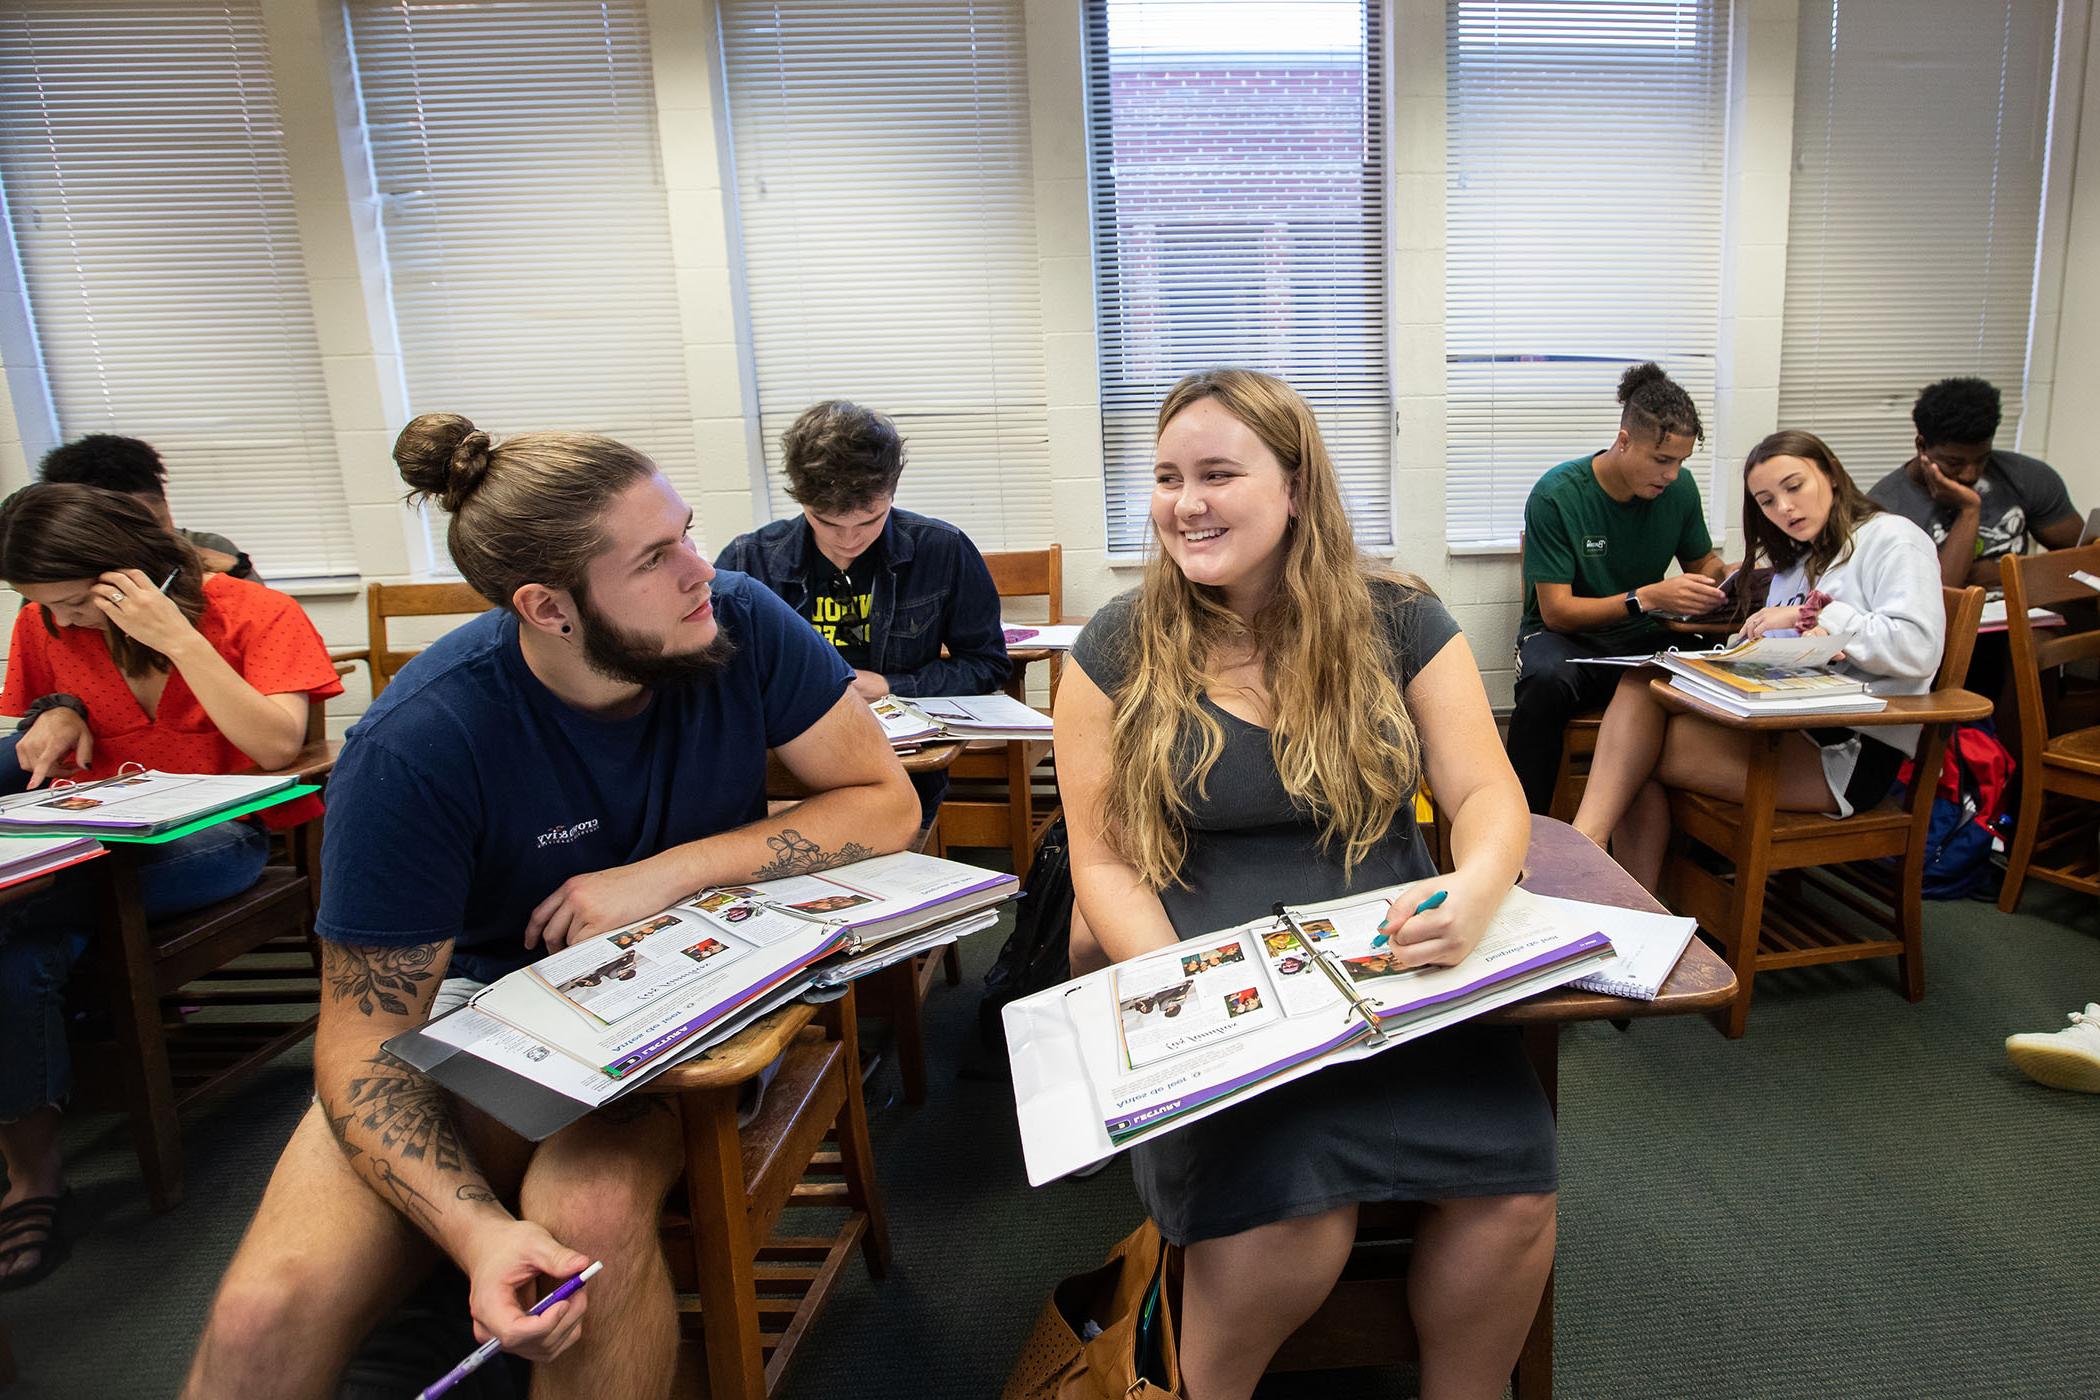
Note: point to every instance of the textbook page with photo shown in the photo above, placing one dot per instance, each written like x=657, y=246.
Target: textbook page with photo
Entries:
x=1765, y=676
x=1146, y=1045
x=613, y=1009
x=137, y=802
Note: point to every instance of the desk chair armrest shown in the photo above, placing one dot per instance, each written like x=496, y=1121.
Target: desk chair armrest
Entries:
x=312, y=765
x=1937, y=707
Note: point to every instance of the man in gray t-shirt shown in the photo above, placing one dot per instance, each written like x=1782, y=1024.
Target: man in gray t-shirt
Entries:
x=1976, y=503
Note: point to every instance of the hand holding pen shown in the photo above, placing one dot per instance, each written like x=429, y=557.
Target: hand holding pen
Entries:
x=1424, y=932
x=489, y=1348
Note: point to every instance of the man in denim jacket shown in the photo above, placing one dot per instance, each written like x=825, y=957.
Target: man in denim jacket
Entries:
x=887, y=587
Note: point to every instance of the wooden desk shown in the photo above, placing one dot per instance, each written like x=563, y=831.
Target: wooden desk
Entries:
x=1356, y=1325
x=783, y=786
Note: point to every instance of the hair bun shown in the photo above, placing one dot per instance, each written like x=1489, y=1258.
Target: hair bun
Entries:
x=1639, y=378
x=442, y=456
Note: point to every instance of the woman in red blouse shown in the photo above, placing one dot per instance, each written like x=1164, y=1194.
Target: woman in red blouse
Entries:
x=125, y=652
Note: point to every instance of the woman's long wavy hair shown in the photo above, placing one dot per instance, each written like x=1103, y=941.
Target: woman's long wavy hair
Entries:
x=59, y=532
x=1849, y=506
x=1343, y=740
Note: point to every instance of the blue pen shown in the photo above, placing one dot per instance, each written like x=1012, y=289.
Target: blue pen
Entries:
x=1424, y=907
x=490, y=1347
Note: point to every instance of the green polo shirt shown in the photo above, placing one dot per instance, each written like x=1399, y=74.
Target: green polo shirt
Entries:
x=1574, y=533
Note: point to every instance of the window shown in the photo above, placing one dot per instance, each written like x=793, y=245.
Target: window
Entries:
x=1238, y=154
x=1583, y=233
x=1920, y=134
x=886, y=194
x=143, y=163
x=528, y=236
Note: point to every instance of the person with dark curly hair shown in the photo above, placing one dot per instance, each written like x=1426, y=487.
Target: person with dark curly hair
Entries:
x=116, y=463
x=1978, y=503
x=1599, y=533
x=905, y=598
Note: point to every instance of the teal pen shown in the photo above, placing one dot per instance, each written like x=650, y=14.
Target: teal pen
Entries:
x=1424, y=907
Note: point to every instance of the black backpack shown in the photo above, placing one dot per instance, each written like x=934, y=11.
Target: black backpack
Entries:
x=1038, y=953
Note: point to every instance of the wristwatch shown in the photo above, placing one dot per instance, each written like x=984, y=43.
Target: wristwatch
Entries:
x=1633, y=603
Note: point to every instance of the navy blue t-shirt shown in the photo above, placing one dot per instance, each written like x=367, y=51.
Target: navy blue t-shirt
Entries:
x=468, y=792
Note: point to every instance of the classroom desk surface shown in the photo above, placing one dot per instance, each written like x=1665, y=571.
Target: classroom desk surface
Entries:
x=1940, y=707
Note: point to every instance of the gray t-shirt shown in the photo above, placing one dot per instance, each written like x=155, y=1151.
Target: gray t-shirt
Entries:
x=2018, y=493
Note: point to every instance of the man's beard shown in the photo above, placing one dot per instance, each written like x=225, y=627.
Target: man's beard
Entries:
x=632, y=659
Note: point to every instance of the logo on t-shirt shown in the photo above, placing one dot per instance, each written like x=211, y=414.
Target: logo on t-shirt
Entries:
x=562, y=835
x=1593, y=546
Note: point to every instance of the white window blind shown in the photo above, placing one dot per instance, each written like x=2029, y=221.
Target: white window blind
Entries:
x=1238, y=161
x=1920, y=131
x=528, y=237
x=1583, y=228
x=144, y=167
x=886, y=194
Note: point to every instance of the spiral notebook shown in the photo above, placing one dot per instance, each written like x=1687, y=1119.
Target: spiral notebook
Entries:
x=1648, y=947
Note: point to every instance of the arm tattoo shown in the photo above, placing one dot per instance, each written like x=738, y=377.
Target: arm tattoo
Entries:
x=474, y=1191
x=796, y=854
x=412, y=1203
x=407, y=1111
x=389, y=979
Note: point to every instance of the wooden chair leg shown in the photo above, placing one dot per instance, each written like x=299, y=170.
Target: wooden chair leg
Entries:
x=134, y=1005
x=1910, y=922
x=1753, y=859
x=723, y=1256
x=951, y=965
x=856, y=1155
x=2025, y=833
x=900, y=993
x=1020, y=807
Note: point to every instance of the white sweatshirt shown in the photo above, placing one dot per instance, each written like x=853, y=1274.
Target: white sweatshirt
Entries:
x=1885, y=599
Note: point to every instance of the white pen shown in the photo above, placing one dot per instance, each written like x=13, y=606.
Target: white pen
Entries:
x=170, y=578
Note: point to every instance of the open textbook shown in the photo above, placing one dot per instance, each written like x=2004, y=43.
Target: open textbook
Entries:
x=589, y=1021
x=912, y=721
x=1767, y=676
x=137, y=802
x=1144, y=1046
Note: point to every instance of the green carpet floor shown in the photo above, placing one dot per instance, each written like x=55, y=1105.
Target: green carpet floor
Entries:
x=1860, y=1199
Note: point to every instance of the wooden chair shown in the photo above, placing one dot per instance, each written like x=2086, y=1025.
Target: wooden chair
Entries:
x=2063, y=846
x=254, y=949
x=1827, y=864
x=390, y=600
x=993, y=800
x=1578, y=743
x=746, y=1294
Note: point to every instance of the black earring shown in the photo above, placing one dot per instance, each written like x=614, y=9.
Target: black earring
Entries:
x=565, y=629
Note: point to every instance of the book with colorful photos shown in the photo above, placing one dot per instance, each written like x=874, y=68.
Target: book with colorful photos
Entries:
x=1144, y=1046
x=910, y=722
x=618, y=999
x=138, y=802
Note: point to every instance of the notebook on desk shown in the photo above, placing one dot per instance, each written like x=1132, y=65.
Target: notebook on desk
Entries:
x=138, y=802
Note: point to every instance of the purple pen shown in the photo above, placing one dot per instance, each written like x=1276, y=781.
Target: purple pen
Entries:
x=490, y=1347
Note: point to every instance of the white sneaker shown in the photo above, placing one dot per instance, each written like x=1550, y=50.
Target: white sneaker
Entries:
x=2065, y=1059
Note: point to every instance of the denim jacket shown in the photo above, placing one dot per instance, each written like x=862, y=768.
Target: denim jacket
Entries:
x=932, y=590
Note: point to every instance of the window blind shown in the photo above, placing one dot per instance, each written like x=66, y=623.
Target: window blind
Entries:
x=1920, y=133
x=1583, y=233
x=143, y=161
x=885, y=190
x=1238, y=164
x=528, y=236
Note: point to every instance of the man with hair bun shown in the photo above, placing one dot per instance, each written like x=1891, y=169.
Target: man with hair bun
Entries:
x=906, y=599
x=585, y=754
x=1599, y=533
x=1977, y=503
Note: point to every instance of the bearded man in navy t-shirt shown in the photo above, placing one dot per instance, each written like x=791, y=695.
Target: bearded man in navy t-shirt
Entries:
x=586, y=754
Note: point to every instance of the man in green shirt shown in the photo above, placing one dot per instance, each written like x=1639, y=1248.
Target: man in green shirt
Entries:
x=1599, y=532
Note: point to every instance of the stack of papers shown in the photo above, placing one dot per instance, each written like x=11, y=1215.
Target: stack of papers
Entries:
x=26, y=857
x=132, y=804
x=1768, y=676
x=590, y=1021
x=908, y=723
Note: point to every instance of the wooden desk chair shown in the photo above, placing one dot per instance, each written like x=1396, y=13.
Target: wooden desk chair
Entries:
x=2061, y=847
x=993, y=802
x=1826, y=863
x=746, y=1295
x=1365, y=1321
x=390, y=600
x=255, y=949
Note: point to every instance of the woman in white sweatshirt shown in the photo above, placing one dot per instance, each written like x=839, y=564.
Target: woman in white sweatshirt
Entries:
x=1840, y=565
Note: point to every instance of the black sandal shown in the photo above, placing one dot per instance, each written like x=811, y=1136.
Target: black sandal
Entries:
x=38, y=1223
